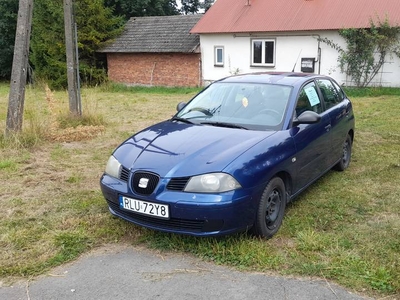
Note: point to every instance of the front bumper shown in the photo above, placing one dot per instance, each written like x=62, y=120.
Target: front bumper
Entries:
x=190, y=213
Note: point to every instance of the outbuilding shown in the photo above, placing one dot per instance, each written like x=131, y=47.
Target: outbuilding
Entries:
x=156, y=51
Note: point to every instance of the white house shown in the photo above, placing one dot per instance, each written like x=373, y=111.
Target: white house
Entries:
x=241, y=36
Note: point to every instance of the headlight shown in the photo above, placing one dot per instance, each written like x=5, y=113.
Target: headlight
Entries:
x=113, y=167
x=212, y=183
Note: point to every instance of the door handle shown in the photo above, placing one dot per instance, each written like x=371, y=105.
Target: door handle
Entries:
x=328, y=127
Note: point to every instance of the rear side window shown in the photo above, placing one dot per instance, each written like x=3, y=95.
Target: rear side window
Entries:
x=340, y=91
x=308, y=99
x=330, y=94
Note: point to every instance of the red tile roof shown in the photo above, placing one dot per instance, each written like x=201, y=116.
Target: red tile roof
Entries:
x=235, y=16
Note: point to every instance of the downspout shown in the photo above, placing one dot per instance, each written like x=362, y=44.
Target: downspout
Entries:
x=319, y=54
x=200, y=72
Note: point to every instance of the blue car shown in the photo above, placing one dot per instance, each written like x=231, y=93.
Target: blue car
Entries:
x=232, y=157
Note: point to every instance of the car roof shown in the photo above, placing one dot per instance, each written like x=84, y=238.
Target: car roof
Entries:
x=283, y=78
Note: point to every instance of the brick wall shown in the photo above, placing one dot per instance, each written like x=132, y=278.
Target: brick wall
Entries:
x=156, y=69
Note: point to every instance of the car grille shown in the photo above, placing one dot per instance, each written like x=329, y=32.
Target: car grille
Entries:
x=150, y=184
x=177, y=184
x=172, y=223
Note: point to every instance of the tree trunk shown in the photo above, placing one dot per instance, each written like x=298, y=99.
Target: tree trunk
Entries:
x=19, y=68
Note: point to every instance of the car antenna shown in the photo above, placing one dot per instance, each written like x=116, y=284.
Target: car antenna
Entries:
x=295, y=63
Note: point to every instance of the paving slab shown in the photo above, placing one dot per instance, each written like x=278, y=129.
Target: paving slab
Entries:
x=130, y=272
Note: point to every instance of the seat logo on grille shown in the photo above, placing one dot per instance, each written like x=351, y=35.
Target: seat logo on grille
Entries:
x=143, y=182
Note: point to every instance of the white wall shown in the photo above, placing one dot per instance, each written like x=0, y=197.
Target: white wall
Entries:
x=290, y=48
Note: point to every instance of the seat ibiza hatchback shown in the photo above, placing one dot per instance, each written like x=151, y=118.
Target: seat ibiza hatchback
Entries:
x=232, y=157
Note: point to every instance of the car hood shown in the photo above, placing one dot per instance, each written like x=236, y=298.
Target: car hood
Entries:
x=174, y=149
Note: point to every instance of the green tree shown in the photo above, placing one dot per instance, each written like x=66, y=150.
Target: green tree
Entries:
x=96, y=24
x=195, y=6
x=141, y=8
x=8, y=24
x=190, y=6
x=367, y=49
x=47, y=42
x=207, y=4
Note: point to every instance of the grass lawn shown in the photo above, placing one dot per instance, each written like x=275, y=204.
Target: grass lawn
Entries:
x=344, y=228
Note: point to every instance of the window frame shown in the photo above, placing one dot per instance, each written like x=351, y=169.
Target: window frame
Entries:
x=263, y=63
x=216, y=62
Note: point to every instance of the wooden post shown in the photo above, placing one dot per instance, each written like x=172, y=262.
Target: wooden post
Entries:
x=75, y=106
x=19, y=71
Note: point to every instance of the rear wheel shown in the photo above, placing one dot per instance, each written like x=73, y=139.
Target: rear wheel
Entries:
x=271, y=209
x=346, y=156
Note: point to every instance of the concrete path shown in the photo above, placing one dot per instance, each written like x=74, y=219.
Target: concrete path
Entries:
x=124, y=272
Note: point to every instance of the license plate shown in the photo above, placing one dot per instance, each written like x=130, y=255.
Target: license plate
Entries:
x=144, y=207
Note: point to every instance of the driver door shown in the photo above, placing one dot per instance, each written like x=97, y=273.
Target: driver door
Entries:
x=312, y=140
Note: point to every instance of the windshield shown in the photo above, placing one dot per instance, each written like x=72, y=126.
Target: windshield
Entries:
x=241, y=105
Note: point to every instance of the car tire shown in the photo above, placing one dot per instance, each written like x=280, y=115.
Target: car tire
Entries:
x=346, y=155
x=271, y=209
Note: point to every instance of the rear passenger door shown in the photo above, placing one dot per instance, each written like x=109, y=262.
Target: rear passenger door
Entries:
x=337, y=106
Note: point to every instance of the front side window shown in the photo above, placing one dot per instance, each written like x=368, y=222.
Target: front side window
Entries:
x=263, y=52
x=219, y=56
x=308, y=99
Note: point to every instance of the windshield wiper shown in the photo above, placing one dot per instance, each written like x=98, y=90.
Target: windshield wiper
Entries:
x=204, y=111
x=222, y=124
x=181, y=120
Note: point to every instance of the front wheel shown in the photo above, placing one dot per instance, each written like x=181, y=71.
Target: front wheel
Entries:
x=346, y=155
x=271, y=209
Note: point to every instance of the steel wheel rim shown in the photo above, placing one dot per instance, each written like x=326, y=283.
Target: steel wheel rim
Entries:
x=346, y=153
x=273, y=208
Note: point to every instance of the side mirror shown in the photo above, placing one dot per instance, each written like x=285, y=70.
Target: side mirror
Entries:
x=307, y=117
x=180, y=106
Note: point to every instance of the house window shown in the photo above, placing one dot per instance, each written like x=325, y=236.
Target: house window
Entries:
x=263, y=52
x=219, y=56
